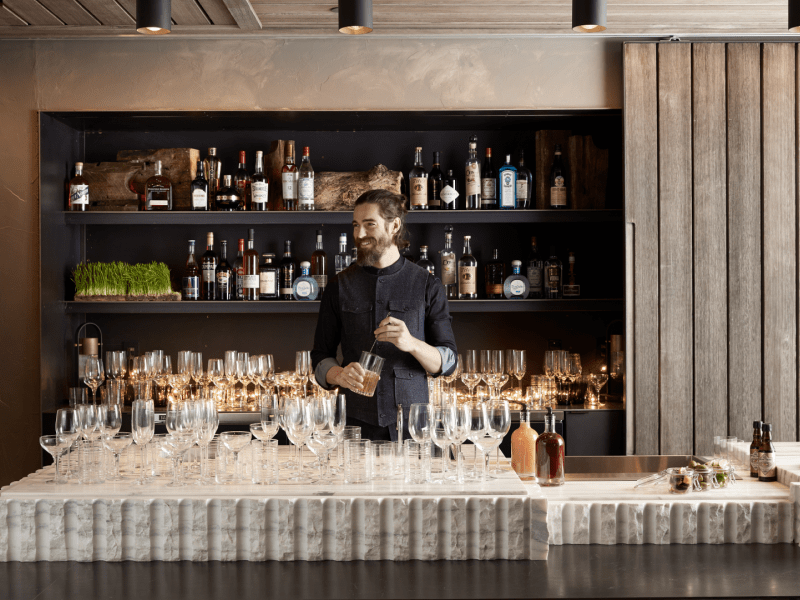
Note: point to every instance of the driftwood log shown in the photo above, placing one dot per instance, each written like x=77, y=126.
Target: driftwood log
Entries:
x=585, y=163
x=339, y=191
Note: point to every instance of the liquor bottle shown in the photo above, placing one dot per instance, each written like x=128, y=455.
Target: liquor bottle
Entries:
x=535, y=267
x=259, y=186
x=754, y=448
x=406, y=253
x=473, y=177
x=228, y=197
x=287, y=272
x=516, y=285
x=424, y=262
x=523, y=448
x=524, y=183
x=353, y=255
x=268, y=276
x=238, y=269
x=305, y=287
x=558, y=182
x=319, y=264
x=209, y=262
x=571, y=289
x=212, y=169
x=305, y=181
x=289, y=178
x=241, y=181
x=447, y=265
x=767, y=470
x=449, y=194
x=467, y=273
x=418, y=184
x=78, y=193
x=225, y=276
x=507, y=176
x=495, y=276
x=342, y=260
x=550, y=453
x=250, y=278
x=158, y=191
x=191, y=277
x=552, y=276
x=199, y=189
x=488, y=183
x=435, y=181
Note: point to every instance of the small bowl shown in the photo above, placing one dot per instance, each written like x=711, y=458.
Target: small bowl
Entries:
x=682, y=480
x=725, y=476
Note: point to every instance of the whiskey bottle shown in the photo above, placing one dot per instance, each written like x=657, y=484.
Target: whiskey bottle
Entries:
x=268, y=276
x=319, y=264
x=158, y=191
x=208, y=291
x=449, y=194
x=259, y=186
x=571, y=289
x=755, y=445
x=507, y=176
x=435, y=182
x=305, y=183
x=78, y=194
x=523, y=448
x=558, y=182
x=225, y=276
x=516, y=285
x=467, y=273
x=550, y=453
x=305, y=287
x=199, y=189
x=287, y=272
x=488, y=183
x=250, y=278
x=425, y=262
x=238, y=269
x=447, y=266
x=552, y=276
x=342, y=260
x=767, y=470
x=241, y=181
x=289, y=178
x=535, y=271
x=212, y=169
x=190, y=289
x=524, y=183
x=418, y=184
x=228, y=197
x=495, y=276
x=473, y=176
x=406, y=253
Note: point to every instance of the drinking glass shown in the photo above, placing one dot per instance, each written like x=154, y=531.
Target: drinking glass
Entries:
x=302, y=365
x=486, y=366
x=478, y=431
x=216, y=370
x=418, y=461
x=109, y=365
x=322, y=443
x=383, y=454
x=177, y=418
x=718, y=449
x=235, y=441
x=175, y=444
x=550, y=363
x=270, y=419
x=460, y=416
x=442, y=423
x=471, y=373
x=534, y=396
x=55, y=446
x=419, y=422
x=197, y=368
x=163, y=371
x=77, y=396
x=349, y=432
x=121, y=356
x=93, y=375
x=116, y=443
x=449, y=379
x=597, y=381
x=67, y=427
x=497, y=418
x=372, y=364
x=357, y=461
x=142, y=427
x=520, y=358
x=112, y=419
x=207, y=422
x=617, y=364
x=265, y=461
x=730, y=443
x=300, y=421
x=338, y=423
x=497, y=375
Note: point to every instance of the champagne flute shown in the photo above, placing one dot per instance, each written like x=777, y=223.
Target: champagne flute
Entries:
x=67, y=427
x=270, y=418
x=338, y=422
x=477, y=430
x=460, y=416
x=143, y=425
x=497, y=371
x=520, y=367
x=470, y=374
x=109, y=365
x=93, y=375
x=163, y=372
x=207, y=422
x=197, y=369
x=486, y=366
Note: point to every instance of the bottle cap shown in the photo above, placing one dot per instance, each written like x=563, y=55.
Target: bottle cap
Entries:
x=488, y=152
x=766, y=427
x=210, y=238
x=79, y=165
x=191, y=241
x=268, y=255
x=305, y=265
x=558, y=148
x=226, y=180
x=423, y=248
x=287, y=244
x=319, y=232
x=342, y=237
x=242, y=156
x=259, y=153
x=467, y=237
x=251, y=234
x=419, y=148
x=212, y=151
x=756, y=424
x=516, y=263
x=533, y=239
x=508, y=158
x=305, y=150
x=436, y=156
x=449, y=172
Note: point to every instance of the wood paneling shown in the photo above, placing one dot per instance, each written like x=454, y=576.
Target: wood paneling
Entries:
x=675, y=246
x=32, y=12
x=109, y=13
x=243, y=13
x=70, y=12
x=641, y=209
x=710, y=248
x=744, y=237
x=188, y=12
x=8, y=18
x=217, y=12
x=779, y=241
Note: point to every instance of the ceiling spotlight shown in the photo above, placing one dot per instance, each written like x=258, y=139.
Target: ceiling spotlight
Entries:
x=589, y=16
x=153, y=17
x=794, y=16
x=355, y=16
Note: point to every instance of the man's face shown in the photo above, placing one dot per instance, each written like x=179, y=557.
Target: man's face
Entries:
x=372, y=234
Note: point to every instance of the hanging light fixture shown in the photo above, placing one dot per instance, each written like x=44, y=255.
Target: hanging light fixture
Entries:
x=794, y=16
x=355, y=16
x=154, y=17
x=589, y=16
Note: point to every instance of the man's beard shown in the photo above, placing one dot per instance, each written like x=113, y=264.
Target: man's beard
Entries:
x=367, y=257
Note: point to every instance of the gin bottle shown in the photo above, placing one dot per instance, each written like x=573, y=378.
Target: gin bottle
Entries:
x=305, y=287
x=507, y=176
x=524, y=183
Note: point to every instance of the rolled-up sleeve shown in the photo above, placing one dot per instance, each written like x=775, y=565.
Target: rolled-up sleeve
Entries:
x=328, y=334
x=438, y=325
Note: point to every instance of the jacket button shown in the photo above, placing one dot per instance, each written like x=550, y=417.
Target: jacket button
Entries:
x=380, y=280
x=411, y=375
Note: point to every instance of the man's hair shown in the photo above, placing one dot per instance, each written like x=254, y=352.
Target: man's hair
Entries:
x=392, y=206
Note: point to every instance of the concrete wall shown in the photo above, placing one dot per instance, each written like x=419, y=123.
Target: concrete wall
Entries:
x=246, y=74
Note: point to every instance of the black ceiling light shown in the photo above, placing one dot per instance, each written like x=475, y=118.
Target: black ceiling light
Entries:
x=794, y=16
x=355, y=16
x=154, y=17
x=589, y=16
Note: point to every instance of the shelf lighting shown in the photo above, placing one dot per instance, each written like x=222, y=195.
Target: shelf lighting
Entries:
x=794, y=16
x=154, y=17
x=355, y=16
x=589, y=16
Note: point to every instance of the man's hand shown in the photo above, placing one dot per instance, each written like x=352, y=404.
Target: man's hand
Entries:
x=351, y=377
x=395, y=331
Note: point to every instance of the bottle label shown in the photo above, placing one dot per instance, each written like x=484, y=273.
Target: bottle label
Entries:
x=250, y=282
x=322, y=281
x=239, y=282
x=286, y=291
x=436, y=193
x=209, y=272
x=468, y=280
x=535, y=278
x=260, y=192
x=228, y=198
x=488, y=189
x=306, y=195
x=158, y=202
x=449, y=194
x=268, y=283
x=223, y=279
x=766, y=464
x=191, y=288
x=419, y=191
x=78, y=194
x=473, y=179
x=571, y=291
x=287, y=185
x=241, y=187
x=558, y=193
x=303, y=289
x=553, y=278
x=522, y=189
x=448, y=269
x=507, y=189
x=516, y=287
x=754, y=460
x=494, y=288
x=199, y=199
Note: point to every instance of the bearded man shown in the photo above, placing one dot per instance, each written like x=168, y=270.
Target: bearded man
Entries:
x=415, y=339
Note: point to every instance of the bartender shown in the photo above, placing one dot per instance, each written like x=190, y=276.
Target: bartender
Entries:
x=416, y=338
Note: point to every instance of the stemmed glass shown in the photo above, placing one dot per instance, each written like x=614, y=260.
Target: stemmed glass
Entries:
x=175, y=444
x=497, y=376
x=196, y=370
x=442, y=432
x=267, y=370
x=489, y=423
x=597, y=381
x=93, y=375
x=270, y=417
x=55, y=446
x=573, y=370
x=143, y=425
x=206, y=423
x=449, y=379
x=419, y=422
x=520, y=359
x=323, y=440
x=470, y=372
x=67, y=427
x=116, y=443
x=112, y=419
x=110, y=365
x=486, y=367
x=302, y=366
x=163, y=372
x=300, y=426
x=460, y=416
x=338, y=420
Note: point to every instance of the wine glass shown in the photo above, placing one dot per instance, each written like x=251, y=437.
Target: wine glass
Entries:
x=550, y=363
x=175, y=444
x=449, y=379
x=419, y=422
x=55, y=446
x=477, y=429
x=460, y=416
x=520, y=358
x=93, y=375
x=497, y=375
x=339, y=419
x=67, y=427
x=116, y=443
x=109, y=364
x=215, y=371
x=499, y=423
x=470, y=373
x=197, y=368
x=486, y=366
x=300, y=426
x=267, y=369
x=270, y=417
x=143, y=425
x=573, y=369
x=206, y=423
x=598, y=380
x=163, y=372
x=302, y=366
x=177, y=419
x=442, y=421
x=322, y=443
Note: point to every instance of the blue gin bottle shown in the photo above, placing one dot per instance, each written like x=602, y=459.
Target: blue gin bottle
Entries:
x=507, y=176
x=305, y=287
x=516, y=286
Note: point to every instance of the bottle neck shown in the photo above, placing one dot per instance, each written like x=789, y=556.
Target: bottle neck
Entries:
x=306, y=159
x=319, y=242
x=423, y=254
x=224, y=251
x=473, y=152
x=448, y=243
x=191, y=249
x=342, y=247
x=467, y=249
x=250, y=244
x=418, y=158
x=515, y=269
x=259, y=164
x=289, y=159
x=241, y=247
x=210, y=247
x=200, y=174
x=78, y=171
x=304, y=271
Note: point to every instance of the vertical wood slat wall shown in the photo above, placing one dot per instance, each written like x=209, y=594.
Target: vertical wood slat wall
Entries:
x=711, y=162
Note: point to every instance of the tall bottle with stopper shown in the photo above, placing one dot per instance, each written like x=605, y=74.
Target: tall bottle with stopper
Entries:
x=212, y=169
x=305, y=182
x=78, y=193
x=190, y=288
x=755, y=446
x=226, y=281
x=473, y=177
x=319, y=264
x=550, y=453
x=343, y=258
x=251, y=284
x=467, y=273
x=524, y=183
x=448, y=267
x=305, y=287
x=558, y=181
x=418, y=183
x=289, y=178
x=488, y=183
x=435, y=179
x=523, y=447
x=259, y=186
x=158, y=191
x=209, y=263
x=287, y=272
x=241, y=181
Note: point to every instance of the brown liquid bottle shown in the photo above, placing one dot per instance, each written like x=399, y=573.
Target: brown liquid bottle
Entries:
x=550, y=453
x=523, y=448
x=767, y=470
x=754, y=447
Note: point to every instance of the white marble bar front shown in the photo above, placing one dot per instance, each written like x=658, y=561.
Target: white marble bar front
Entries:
x=387, y=520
